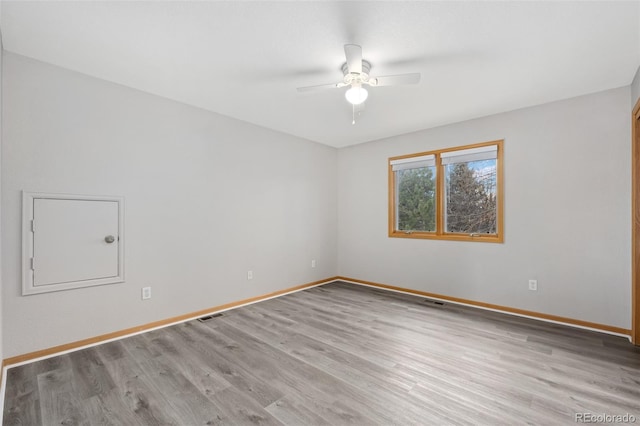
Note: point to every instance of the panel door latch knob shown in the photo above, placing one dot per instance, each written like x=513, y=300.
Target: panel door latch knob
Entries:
x=109, y=239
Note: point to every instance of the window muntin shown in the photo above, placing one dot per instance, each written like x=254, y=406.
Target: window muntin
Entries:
x=452, y=193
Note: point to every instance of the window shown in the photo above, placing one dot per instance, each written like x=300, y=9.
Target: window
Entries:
x=453, y=194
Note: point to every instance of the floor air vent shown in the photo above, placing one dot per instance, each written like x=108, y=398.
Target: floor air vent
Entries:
x=434, y=302
x=209, y=317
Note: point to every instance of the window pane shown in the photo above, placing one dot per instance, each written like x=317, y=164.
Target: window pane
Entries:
x=470, y=197
x=416, y=199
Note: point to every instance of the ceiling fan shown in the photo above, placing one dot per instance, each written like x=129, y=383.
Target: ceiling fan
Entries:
x=356, y=74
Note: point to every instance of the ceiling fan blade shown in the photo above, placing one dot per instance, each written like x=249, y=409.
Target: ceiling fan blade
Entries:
x=320, y=87
x=353, y=53
x=395, y=80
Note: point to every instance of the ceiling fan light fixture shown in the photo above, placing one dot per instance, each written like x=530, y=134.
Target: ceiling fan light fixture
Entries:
x=356, y=95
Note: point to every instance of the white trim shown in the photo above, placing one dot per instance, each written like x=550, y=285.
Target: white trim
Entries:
x=3, y=389
x=28, y=286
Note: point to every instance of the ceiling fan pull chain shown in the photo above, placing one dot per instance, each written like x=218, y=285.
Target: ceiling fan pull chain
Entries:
x=353, y=109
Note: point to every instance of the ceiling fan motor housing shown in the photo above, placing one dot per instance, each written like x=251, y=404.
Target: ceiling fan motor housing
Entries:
x=363, y=77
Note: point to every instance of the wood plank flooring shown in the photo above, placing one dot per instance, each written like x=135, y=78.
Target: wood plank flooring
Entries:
x=338, y=354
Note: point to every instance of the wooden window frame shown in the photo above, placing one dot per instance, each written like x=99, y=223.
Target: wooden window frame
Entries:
x=439, y=233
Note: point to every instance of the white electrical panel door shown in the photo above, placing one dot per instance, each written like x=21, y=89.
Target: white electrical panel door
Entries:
x=71, y=242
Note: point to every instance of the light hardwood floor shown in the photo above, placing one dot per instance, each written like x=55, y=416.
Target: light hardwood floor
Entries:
x=332, y=355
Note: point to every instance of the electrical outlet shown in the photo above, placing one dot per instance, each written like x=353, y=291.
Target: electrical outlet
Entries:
x=533, y=285
x=249, y=275
x=313, y=263
x=146, y=293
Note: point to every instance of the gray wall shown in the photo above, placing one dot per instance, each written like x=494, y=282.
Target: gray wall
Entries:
x=206, y=199
x=567, y=213
x=1, y=282
x=209, y=197
x=635, y=89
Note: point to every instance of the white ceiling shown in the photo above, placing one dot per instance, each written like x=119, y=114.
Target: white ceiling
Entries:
x=245, y=59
